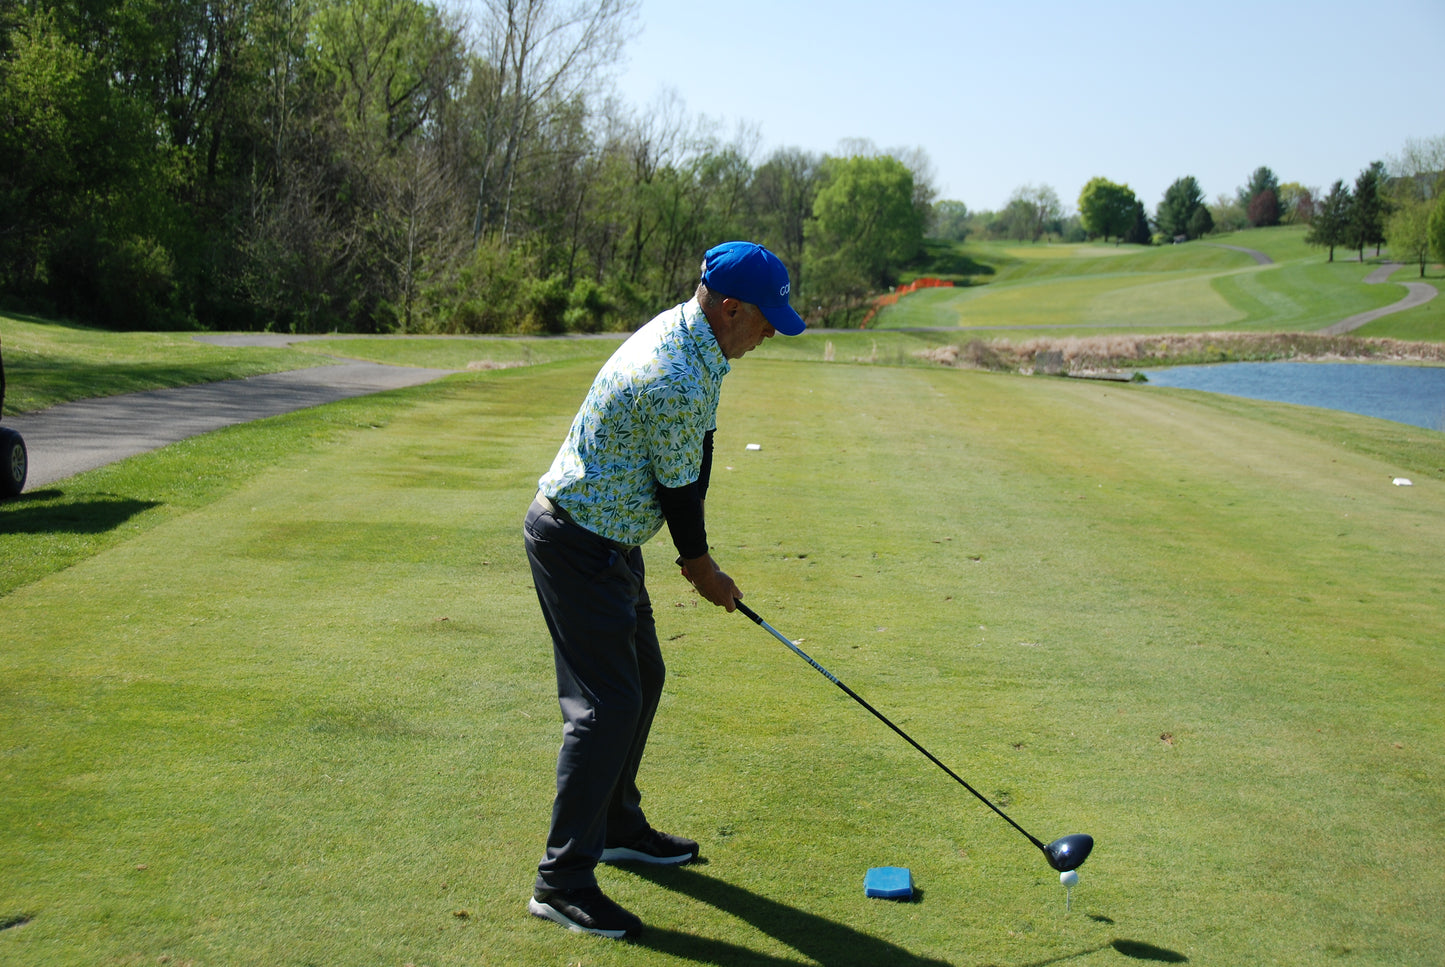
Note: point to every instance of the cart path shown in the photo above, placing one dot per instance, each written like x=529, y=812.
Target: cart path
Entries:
x=74, y=437
x=1259, y=257
x=1416, y=294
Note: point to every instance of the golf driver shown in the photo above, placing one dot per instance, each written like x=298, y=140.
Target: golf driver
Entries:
x=1064, y=854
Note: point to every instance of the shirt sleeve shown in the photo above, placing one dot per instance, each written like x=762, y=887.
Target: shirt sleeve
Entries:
x=682, y=509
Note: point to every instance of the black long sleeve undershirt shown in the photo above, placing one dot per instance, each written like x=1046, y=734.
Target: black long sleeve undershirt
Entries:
x=682, y=507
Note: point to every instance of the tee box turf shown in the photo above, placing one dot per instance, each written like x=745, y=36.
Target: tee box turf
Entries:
x=889, y=883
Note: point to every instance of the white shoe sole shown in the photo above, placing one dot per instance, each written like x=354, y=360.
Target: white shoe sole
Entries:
x=557, y=916
x=621, y=854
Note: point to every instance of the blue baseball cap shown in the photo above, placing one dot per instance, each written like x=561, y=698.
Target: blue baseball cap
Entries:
x=748, y=272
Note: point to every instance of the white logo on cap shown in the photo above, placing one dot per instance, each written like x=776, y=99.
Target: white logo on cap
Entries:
x=784, y=289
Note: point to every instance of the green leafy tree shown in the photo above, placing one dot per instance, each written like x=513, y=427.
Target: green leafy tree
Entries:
x=1415, y=185
x=1016, y=221
x=951, y=221
x=1106, y=208
x=1408, y=229
x=865, y=226
x=1296, y=203
x=88, y=221
x=1032, y=211
x=1436, y=228
x=1330, y=226
x=781, y=201
x=537, y=53
x=1228, y=214
x=1182, y=200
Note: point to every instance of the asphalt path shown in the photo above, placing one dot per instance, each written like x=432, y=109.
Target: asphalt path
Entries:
x=1259, y=257
x=1416, y=294
x=74, y=437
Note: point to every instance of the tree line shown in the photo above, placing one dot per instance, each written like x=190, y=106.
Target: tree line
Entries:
x=386, y=166
x=1401, y=203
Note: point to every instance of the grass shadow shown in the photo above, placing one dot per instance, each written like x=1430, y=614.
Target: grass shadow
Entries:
x=1136, y=949
x=36, y=513
x=945, y=260
x=824, y=941
x=1139, y=950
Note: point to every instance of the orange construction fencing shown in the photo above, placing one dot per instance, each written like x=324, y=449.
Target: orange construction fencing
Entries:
x=889, y=298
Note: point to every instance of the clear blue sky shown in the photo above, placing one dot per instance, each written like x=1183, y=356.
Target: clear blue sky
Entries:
x=1047, y=92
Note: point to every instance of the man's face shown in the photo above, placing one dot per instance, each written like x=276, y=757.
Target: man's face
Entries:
x=745, y=331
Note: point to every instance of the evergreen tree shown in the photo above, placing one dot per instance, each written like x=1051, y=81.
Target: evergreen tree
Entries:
x=1176, y=212
x=1367, y=217
x=1332, y=219
x=1139, y=233
x=1201, y=223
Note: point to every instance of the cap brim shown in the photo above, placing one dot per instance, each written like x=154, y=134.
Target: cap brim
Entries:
x=783, y=319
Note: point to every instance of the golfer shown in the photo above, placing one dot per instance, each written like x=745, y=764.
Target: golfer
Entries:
x=638, y=455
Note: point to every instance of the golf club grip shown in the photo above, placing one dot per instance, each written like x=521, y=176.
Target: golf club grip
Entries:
x=749, y=612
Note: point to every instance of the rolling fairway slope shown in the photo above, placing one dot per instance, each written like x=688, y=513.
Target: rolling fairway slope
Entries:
x=1198, y=286
x=310, y=719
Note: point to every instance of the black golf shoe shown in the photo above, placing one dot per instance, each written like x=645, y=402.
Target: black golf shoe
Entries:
x=585, y=910
x=652, y=847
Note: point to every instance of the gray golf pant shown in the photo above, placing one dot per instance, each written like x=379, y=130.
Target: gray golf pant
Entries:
x=609, y=679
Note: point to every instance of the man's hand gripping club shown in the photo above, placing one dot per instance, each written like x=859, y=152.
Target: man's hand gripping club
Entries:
x=710, y=580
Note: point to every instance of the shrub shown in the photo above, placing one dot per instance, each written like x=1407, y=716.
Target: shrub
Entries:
x=546, y=305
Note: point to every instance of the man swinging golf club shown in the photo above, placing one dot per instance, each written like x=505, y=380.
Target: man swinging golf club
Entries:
x=638, y=455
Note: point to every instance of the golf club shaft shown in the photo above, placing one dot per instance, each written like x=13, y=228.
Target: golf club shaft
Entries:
x=885, y=720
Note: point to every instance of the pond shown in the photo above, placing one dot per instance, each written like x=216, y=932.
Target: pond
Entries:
x=1405, y=394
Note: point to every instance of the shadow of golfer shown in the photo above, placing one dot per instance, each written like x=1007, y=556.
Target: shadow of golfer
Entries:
x=824, y=941
x=41, y=512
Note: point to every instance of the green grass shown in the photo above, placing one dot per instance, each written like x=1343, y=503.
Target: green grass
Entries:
x=49, y=362
x=1423, y=322
x=1092, y=289
x=301, y=711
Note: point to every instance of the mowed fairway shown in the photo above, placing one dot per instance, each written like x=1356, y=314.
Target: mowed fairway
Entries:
x=1199, y=285
x=1156, y=300
x=311, y=721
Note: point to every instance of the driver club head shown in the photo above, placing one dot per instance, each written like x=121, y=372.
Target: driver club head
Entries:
x=1069, y=852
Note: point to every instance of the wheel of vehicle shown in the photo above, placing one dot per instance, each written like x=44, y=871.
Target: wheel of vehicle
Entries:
x=14, y=463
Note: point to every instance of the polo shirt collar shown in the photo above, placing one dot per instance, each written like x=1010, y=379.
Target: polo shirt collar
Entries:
x=700, y=330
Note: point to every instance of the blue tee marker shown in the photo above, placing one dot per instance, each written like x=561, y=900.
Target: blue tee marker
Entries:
x=889, y=883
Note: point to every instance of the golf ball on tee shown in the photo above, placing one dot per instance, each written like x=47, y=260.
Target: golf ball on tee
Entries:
x=1069, y=878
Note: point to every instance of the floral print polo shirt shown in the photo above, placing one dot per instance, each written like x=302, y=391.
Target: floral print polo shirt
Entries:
x=641, y=425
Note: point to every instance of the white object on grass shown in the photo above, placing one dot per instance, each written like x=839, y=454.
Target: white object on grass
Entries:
x=755, y=446
x=1069, y=877
x=1402, y=482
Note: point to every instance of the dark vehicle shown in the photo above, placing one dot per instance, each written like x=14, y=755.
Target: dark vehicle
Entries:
x=13, y=459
